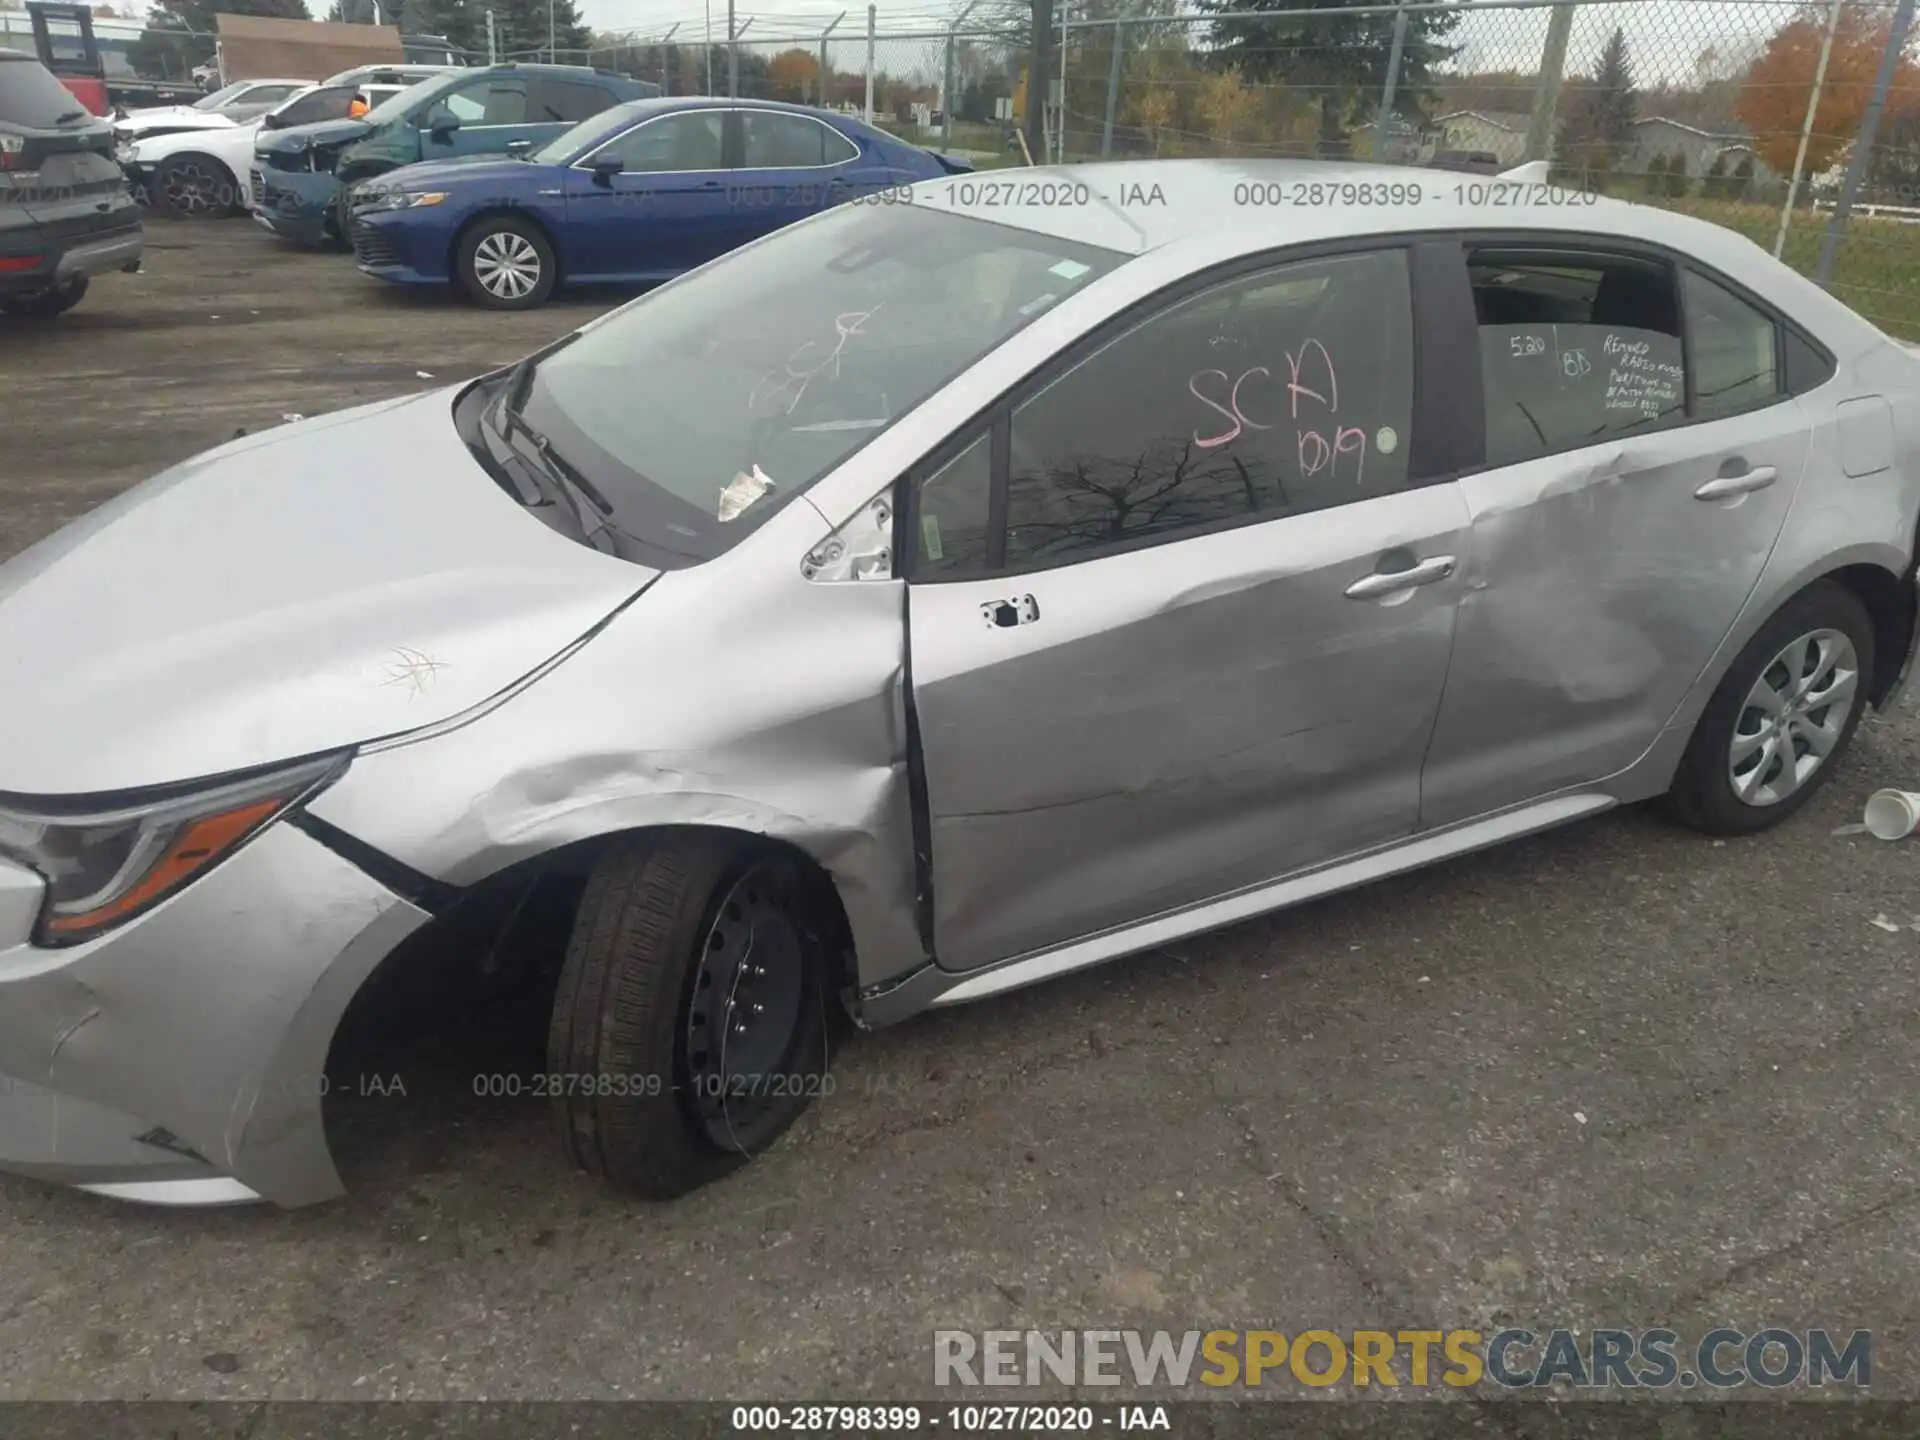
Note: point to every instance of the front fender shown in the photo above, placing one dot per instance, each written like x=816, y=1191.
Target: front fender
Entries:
x=735, y=695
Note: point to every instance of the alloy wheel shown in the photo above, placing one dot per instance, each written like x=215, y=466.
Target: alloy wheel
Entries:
x=192, y=189
x=506, y=265
x=1793, y=717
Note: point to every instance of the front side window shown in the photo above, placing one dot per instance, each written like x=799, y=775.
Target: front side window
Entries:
x=1733, y=349
x=689, y=141
x=775, y=141
x=1277, y=394
x=1574, y=350
x=492, y=102
x=703, y=407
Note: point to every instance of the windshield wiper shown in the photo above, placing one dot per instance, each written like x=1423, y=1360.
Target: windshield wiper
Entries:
x=539, y=451
x=67, y=117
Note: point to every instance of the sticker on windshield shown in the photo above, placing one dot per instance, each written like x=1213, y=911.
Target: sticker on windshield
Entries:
x=1387, y=441
x=1034, y=306
x=1068, y=269
x=741, y=492
x=930, y=537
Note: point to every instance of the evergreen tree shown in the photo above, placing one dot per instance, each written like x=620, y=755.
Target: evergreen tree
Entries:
x=1740, y=183
x=1599, y=127
x=522, y=26
x=1713, y=185
x=1339, y=58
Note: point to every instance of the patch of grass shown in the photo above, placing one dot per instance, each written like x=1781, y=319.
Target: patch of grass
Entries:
x=1877, y=269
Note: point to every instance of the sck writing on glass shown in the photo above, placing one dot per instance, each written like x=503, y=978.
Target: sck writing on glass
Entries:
x=1313, y=386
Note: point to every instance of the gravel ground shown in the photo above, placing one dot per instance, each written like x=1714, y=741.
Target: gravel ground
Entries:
x=1618, y=1075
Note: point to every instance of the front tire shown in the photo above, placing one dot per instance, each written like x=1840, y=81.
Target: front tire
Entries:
x=45, y=304
x=1781, y=718
x=505, y=263
x=691, y=1026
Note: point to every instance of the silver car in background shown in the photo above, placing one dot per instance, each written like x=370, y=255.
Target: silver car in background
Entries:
x=937, y=596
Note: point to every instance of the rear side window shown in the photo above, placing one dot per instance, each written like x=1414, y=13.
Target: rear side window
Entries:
x=566, y=100
x=31, y=97
x=316, y=105
x=772, y=141
x=1574, y=350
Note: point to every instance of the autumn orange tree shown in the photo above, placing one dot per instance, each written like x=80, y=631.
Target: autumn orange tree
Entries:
x=791, y=75
x=1773, y=98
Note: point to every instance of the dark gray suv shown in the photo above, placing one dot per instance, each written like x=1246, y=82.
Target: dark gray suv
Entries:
x=65, y=212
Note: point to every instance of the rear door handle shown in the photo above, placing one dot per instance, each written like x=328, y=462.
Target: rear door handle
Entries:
x=1371, y=587
x=1757, y=478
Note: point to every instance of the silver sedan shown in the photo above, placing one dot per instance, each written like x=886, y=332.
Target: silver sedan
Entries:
x=942, y=594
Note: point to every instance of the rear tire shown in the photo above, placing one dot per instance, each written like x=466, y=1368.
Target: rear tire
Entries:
x=691, y=1024
x=1776, y=727
x=505, y=263
x=45, y=304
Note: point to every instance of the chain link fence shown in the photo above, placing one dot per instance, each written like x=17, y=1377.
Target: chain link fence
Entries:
x=1795, y=122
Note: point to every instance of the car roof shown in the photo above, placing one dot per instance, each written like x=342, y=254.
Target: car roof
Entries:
x=273, y=80
x=670, y=104
x=1251, y=206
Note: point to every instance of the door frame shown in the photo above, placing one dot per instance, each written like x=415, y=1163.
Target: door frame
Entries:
x=1447, y=431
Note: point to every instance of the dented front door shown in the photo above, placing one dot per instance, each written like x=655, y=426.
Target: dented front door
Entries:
x=1114, y=739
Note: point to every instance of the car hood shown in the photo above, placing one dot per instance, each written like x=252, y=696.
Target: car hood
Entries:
x=321, y=132
x=463, y=169
x=325, y=583
x=172, y=117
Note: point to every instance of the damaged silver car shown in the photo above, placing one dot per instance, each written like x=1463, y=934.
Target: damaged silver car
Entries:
x=939, y=595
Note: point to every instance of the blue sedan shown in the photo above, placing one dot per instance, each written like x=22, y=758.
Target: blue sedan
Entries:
x=641, y=192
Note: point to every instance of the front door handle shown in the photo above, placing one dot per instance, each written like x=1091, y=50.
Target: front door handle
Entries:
x=1757, y=478
x=1371, y=587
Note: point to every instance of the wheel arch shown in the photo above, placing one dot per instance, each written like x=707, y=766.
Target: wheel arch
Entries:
x=510, y=926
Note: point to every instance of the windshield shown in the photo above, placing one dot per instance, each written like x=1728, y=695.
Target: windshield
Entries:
x=395, y=107
x=584, y=136
x=701, y=408
x=220, y=97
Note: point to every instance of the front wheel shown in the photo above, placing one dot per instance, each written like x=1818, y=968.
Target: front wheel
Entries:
x=691, y=1026
x=45, y=304
x=1781, y=718
x=192, y=186
x=505, y=263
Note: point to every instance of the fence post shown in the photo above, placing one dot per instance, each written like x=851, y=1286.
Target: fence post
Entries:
x=1393, y=71
x=946, y=90
x=493, y=41
x=1553, y=64
x=1806, y=127
x=733, y=57
x=706, y=46
x=824, y=69
x=1060, y=116
x=1034, y=122
x=871, y=12
x=1863, y=143
x=1113, y=87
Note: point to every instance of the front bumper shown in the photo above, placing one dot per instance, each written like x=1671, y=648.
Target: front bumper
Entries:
x=393, y=246
x=181, y=1058
x=296, y=204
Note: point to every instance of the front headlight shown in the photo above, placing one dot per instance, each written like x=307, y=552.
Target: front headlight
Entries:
x=123, y=153
x=402, y=200
x=106, y=862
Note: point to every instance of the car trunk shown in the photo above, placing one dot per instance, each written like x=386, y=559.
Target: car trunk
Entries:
x=56, y=164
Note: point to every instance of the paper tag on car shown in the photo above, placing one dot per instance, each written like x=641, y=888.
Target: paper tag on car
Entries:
x=741, y=492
